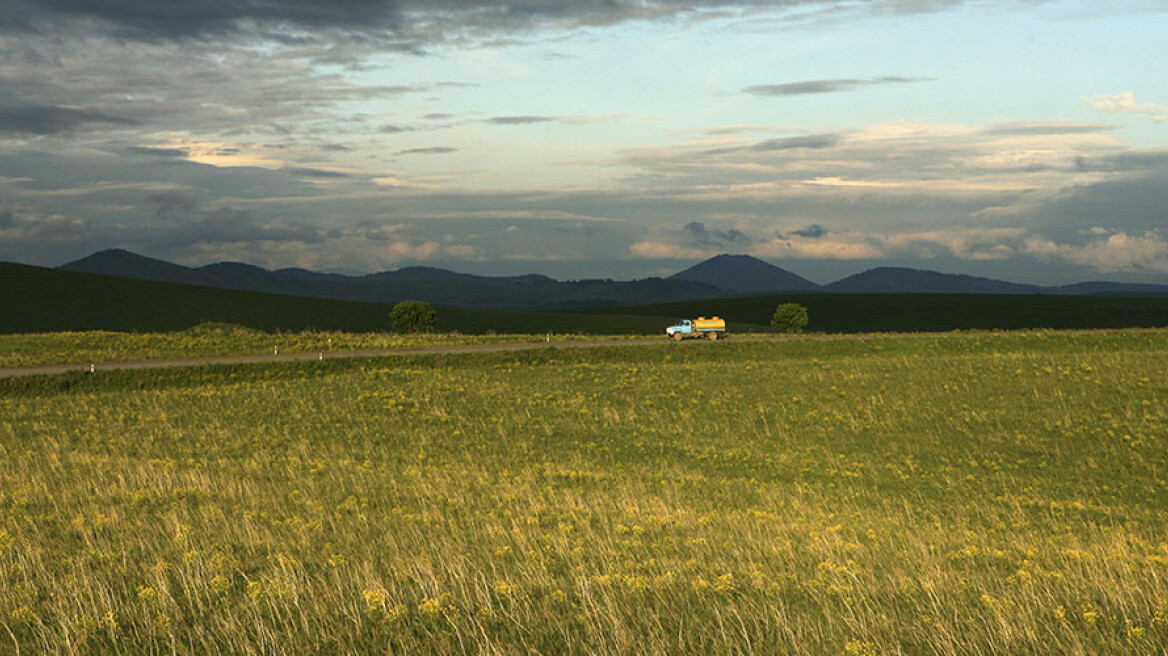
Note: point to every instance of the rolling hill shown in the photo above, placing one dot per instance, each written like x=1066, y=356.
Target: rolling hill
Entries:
x=36, y=299
x=898, y=280
x=412, y=283
x=723, y=276
x=745, y=275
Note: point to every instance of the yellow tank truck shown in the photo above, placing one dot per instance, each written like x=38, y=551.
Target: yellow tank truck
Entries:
x=711, y=329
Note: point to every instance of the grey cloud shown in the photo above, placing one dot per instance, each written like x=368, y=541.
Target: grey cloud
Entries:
x=1046, y=129
x=732, y=129
x=519, y=120
x=389, y=232
x=306, y=172
x=7, y=219
x=1134, y=203
x=43, y=120
x=809, y=141
x=394, y=129
x=702, y=237
x=52, y=85
x=432, y=150
x=312, y=26
x=158, y=152
x=188, y=224
x=48, y=172
x=228, y=225
x=810, y=87
x=400, y=89
x=150, y=20
x=1130, y=162
x=813, y=231
x=173, y=201
x=578, y=228
x=335, y=148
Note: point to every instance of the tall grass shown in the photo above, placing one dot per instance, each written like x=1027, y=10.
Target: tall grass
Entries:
x=920, y=495
x=213, y=339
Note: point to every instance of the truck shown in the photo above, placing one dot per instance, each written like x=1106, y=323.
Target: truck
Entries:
x=711, y=328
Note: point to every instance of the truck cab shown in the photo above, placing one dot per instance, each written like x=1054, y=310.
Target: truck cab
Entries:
x=680, y=329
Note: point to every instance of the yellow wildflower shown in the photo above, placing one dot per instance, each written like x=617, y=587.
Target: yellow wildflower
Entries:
x=147, y=593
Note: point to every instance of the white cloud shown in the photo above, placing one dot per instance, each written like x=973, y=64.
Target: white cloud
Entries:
x=430, y=250
x=1126, y=103
x=836, y=247
x=656, y=250
x=979, y=244
x=1119, y=252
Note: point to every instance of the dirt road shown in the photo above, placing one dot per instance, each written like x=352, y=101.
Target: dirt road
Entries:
x=9, y=372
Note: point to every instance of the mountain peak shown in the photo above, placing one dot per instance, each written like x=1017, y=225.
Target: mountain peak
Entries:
x=744, y=274
x=121, y=262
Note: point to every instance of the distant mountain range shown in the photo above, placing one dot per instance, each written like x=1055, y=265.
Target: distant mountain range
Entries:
x=719, y=277
x=411, y=283
x=899, y=280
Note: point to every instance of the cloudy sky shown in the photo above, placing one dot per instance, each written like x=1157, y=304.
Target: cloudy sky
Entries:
x=1020, y=139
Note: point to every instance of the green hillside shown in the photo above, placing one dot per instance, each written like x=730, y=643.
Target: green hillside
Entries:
x=851, y=313
x=36, y=299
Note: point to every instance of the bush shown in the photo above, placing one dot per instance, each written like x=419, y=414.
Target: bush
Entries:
x=413, y=317
x=789, y=318
x=221, y=329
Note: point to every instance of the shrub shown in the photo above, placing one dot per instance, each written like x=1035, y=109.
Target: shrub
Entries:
x=789, y=318
x=220, y=329
x=413, y=317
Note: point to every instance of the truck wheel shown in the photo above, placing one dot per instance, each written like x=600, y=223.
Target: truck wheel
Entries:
x=712, y=336
x=676, y=337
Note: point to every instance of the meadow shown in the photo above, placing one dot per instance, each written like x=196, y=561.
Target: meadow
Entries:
x=218, y=339
x=931, y=494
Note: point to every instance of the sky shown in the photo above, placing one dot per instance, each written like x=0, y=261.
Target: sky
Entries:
x=1018, y=139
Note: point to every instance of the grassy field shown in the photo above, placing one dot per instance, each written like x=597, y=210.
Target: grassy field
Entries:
x=212, y=339
x=958, y=494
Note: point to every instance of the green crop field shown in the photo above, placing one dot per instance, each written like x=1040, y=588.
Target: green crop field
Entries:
x=931, y=494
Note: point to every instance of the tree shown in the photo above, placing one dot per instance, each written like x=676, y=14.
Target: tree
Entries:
x=413, y=317
x=789, y=318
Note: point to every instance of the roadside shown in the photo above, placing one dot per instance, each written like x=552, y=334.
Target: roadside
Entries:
x=11, y=372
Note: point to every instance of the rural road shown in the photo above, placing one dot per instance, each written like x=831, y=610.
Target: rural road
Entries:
x=48, y=369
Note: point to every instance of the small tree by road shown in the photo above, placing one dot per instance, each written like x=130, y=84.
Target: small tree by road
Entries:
x=413, y=317
x=789, y=318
